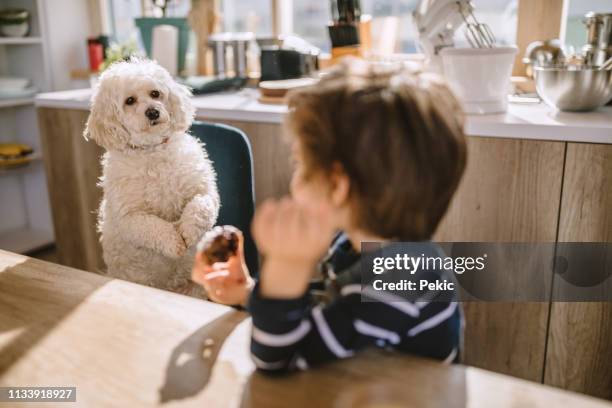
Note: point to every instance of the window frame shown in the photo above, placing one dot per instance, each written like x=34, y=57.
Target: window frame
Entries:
x=536, y=19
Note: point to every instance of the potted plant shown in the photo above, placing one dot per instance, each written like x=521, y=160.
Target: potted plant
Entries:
x=119, y=52
x=146, y=25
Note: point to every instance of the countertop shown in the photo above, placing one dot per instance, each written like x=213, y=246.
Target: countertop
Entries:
x=521, y=121
x=120, y=343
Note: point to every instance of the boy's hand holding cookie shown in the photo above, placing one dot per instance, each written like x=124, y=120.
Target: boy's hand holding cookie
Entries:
x=220, y=266
x=292, y=238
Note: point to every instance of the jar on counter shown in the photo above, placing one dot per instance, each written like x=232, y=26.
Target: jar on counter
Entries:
x=95, y=51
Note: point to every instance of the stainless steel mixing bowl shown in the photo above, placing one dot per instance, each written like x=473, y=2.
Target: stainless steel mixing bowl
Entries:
x=574, y=90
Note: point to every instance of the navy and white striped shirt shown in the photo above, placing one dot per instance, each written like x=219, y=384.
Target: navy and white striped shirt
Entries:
x=293, y=334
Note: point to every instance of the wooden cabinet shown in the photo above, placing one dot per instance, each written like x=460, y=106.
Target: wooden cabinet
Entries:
x=579, y=355
x=73, y=167
x=510, y=192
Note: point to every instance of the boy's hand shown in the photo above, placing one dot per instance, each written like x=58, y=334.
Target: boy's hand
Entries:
x=292, y=238
x=228, y=282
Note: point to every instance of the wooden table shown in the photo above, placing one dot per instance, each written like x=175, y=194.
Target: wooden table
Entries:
x=122, y=344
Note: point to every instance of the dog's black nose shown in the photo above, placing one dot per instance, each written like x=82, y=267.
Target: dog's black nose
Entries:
x=152, y=113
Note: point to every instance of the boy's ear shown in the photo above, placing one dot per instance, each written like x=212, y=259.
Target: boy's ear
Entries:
x=340, y=185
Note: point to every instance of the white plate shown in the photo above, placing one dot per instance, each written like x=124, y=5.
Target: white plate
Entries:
x=13, y=83
x=288, y=83
x=17, y=93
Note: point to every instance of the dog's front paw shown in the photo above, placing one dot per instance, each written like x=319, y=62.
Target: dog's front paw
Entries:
x=199, y=216
x=174, y=246
x=191, y=234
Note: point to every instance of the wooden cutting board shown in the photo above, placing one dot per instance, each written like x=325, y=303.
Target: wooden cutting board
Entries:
x=278, y=89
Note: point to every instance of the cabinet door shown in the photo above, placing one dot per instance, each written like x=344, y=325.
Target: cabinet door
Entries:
x=510, y=193
x=579, y=355
x=73, y=166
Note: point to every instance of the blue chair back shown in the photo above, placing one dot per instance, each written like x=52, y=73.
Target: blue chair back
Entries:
x=230, y=151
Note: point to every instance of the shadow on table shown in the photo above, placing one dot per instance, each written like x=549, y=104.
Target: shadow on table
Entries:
x=33, y=300
x=373, y=378
x=191, y=362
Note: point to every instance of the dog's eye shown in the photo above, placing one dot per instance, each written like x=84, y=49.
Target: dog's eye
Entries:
x=130, y=101
x=155, y=94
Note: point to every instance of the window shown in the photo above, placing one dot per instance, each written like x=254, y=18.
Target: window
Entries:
x=122, y=13
x=251, y=15
x=499, y=15
x=311, y=19
x=402, y=10
x=575, y=30
x=236, y=15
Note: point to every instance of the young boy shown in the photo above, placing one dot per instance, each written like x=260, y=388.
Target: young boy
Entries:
x=378, y=155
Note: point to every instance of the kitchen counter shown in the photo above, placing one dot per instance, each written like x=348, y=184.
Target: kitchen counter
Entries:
x=242, y=105
x=122, y=344
x=522, y=121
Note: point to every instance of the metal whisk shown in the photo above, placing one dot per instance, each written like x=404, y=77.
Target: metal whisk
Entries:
x=478, y=34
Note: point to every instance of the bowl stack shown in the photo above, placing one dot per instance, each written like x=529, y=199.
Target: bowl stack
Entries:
x=14, y=23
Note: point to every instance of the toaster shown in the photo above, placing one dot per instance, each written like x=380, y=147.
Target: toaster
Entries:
x=278, y=63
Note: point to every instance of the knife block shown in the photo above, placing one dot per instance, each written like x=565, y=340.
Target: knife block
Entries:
x=360, y=50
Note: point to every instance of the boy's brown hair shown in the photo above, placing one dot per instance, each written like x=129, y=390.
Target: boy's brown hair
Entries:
x=397, y=135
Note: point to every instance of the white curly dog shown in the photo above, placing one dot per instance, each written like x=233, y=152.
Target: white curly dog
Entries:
x=160, y=192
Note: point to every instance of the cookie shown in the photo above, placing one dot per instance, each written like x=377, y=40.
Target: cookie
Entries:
x=219, y=244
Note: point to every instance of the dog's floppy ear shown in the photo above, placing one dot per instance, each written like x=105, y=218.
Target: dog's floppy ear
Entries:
x=182, y=111
x=103, y=125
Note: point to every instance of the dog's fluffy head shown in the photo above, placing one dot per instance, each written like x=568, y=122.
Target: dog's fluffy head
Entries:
x=137, y=104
